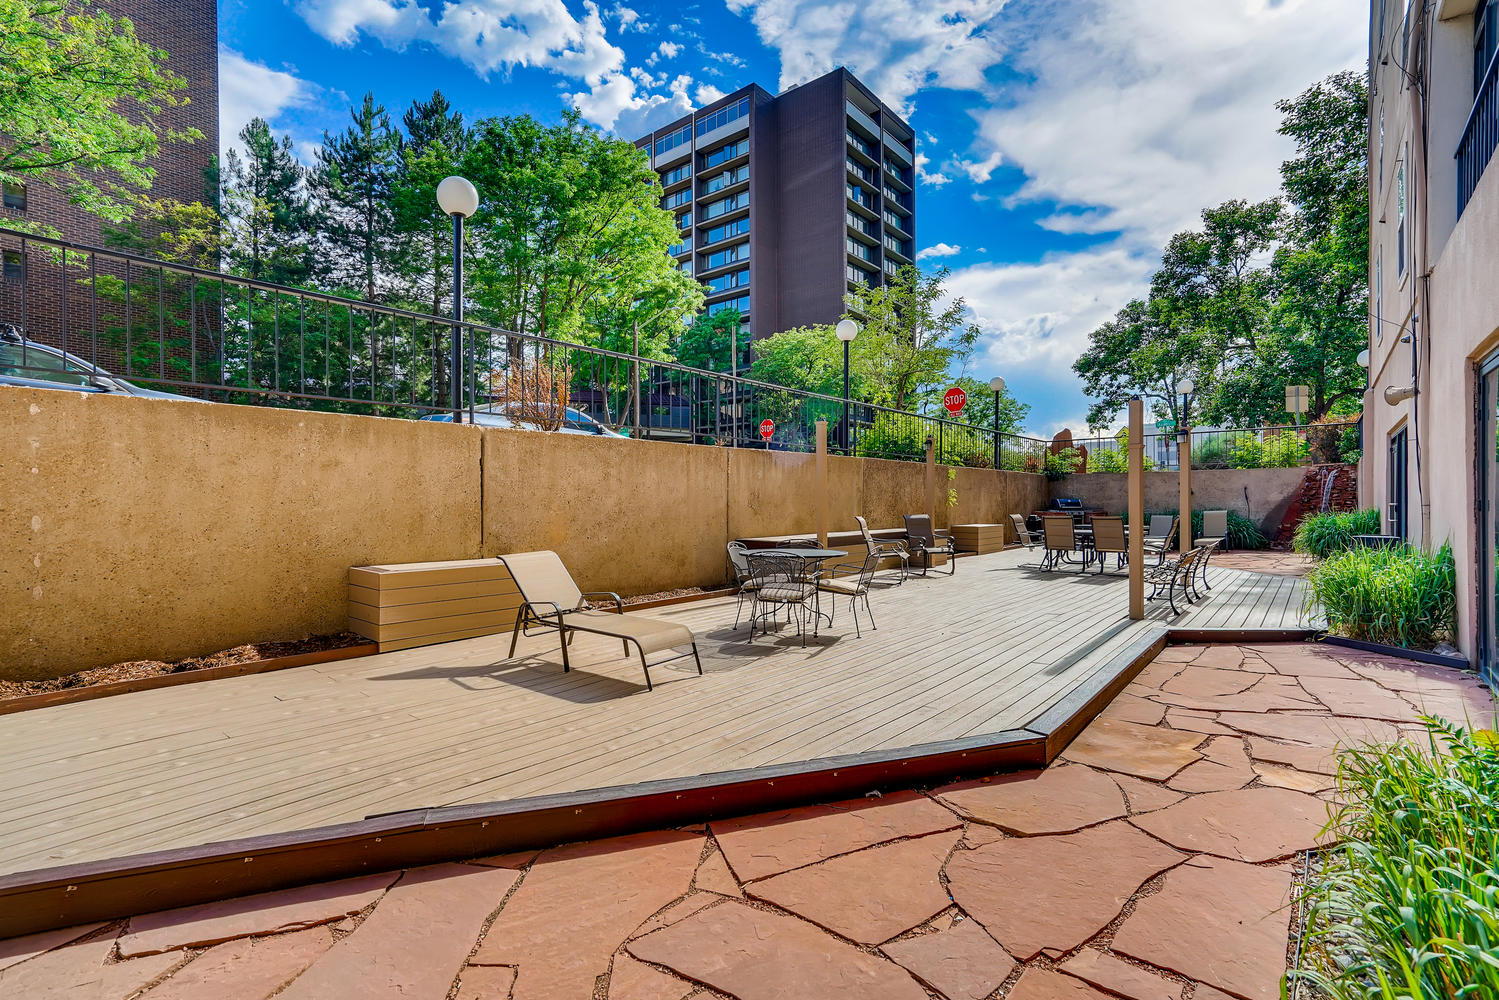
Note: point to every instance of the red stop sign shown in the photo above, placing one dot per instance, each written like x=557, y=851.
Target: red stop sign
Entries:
x=767, y=428
x=954, y=399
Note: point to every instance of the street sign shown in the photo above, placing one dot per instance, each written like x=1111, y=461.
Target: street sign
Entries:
x=1298, y=399
x=767, y=428
x=1165, y=425
x=954, y=399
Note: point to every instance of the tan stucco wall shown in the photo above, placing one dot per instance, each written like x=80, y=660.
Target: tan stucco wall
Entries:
x=1262, y=495
x=153, y=529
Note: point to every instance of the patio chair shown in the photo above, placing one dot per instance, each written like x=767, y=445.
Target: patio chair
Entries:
x=856, y=588
x=739, y=567
x=924, y=543
x=1030, y=539
x=1160, y=536
x=892, y=548
x=1109, y=539
x=544, y=582
x=1060, y=535
x=1214, y=537
x=780, y=585
x=1173, y=575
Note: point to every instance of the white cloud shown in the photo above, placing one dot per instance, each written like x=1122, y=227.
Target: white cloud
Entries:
x=938, y=250
x=897, y=47
x=253, y=90
x=706, y=93
x=615, y=104
x=979, y=171
x=666, y=50
x=628, y=18
x=925, y=176
x=1173, y=109
x=488, y=35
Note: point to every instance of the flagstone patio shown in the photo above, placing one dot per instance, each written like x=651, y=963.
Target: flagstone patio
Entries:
x=1156, y=860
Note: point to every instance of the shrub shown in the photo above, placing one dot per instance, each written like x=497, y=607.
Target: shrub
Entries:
x=1400, y=596
x=1242, y=532
x=1322, y=535
x=1280, y=450
x=1408, y=906
x=1062, y=464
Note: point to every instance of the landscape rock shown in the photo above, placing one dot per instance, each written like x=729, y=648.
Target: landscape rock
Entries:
x=1112, y=973
x=1144, y=751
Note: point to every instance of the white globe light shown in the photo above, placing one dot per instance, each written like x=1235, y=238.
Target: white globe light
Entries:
x=1363, y=358
x=846, y=329
x=997, y=383
x=456, y=196
x=1186, y=386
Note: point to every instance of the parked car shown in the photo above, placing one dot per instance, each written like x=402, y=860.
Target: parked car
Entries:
x=27, y=363
x=508, y=415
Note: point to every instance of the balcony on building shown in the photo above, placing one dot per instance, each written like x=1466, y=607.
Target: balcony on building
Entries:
x=900, y=148
x=1481, y=131
x=862, y=119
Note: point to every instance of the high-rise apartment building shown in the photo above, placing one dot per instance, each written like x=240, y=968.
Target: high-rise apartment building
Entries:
x=785, y=202
x=1431, y=411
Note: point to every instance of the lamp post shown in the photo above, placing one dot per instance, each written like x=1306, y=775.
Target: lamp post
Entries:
x=846, y=330
x=458, y=199
x=997, y=384
x=1184, y=467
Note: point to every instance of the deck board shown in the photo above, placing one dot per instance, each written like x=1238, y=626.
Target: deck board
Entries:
x=985, y=651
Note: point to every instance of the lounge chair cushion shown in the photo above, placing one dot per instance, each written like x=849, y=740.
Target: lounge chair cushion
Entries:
x=653, y=634
x=840, y=585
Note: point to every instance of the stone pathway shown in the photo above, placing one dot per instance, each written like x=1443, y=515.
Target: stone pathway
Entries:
x=1155, y=860
x=1265, y=561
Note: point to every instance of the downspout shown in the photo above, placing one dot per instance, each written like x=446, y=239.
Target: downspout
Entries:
x=1418, y=63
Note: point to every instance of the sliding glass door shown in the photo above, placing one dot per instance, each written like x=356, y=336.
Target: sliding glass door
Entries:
x=1488, y=518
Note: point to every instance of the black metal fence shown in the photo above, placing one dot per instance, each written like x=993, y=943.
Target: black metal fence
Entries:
x=1288, y=446
x=188, y=330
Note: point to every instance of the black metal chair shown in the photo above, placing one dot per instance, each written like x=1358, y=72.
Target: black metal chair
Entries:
x=854, y=587
x=925, y=544
x=781, y=584
x=886, y=549
x=743, y=581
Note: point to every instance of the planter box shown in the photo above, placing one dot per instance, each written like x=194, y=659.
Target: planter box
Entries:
x=979, y=538
x=417, y=604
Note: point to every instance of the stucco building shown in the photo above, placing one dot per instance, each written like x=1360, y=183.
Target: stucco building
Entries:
x=1432, y=405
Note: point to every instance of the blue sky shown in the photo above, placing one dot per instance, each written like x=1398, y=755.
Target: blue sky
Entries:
x=1061, y=141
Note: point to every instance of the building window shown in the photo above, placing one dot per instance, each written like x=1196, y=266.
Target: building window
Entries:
x=732, y=203
x=859, y=276
x=1485, y=41
x=13, y=265
x=723, y=116
x=681, y=135
x=731, y=255
x=720, y=181
x=684, y=220
x=1400, y=217
x=677, y=198
x=725, y=153
x=862, y=145
x=726, y=231
x=677, y=249
x=740, y=302
x=15, y=195
x=724, y=282
x=676, y=174
x=859, y=250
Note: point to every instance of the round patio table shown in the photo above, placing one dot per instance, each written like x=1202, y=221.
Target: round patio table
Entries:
x=812, y=560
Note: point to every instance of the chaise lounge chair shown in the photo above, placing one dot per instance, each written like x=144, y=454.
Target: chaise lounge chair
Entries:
x=544, y=582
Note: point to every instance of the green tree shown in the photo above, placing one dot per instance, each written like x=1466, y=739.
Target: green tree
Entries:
x=810, y=358
x=979, y=410
x=267, y=217
x=912, y=334
x=1148, y=349
x=433, y=148
x=711, y=339
x=81, y=102
x=570, y=227
x=354, y=181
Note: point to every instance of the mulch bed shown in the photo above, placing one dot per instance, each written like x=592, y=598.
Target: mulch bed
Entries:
x=137, y=669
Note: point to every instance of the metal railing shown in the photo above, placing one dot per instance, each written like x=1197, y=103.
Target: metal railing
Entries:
x=1480, y=136
x=193, y=331
x=1285, y=447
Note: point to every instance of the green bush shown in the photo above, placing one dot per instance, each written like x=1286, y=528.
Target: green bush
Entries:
x=1323, y=535
x=1242, y=532
x=1350, y=450
x=1400, y=596
x=1408, y=906
x=1062, y=464
x=1282, y=450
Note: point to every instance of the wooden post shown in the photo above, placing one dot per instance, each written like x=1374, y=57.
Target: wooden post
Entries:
x=931, y=481
x=1136, y=509
x=822, y=483
x=1184, y=532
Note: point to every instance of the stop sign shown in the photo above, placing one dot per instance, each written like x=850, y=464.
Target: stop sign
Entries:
x=767, y=428
x=954, y=399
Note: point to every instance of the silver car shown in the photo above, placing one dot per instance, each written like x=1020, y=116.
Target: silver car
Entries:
x=27, y=363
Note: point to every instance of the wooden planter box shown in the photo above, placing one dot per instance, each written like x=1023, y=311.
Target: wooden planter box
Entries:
x=979, y=538
x=416, y=604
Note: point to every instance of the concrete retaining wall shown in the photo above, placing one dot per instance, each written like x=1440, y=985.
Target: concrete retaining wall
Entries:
x=155, y=529
x=1262, y=495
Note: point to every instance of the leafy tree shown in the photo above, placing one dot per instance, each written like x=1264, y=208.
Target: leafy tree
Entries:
x=570, y=226
x=1146, y=350
x=433, y=148
x=810, y=358
x=979, y=410
x=354, y=180
x=81, y=102
x=710, y=341
x=911, y=335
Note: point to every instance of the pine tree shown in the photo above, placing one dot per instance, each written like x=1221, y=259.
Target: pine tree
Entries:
x=266, y=213
x=436, y=138
x=354, y=179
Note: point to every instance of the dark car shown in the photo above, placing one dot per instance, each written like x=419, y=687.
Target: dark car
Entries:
x=27, y=363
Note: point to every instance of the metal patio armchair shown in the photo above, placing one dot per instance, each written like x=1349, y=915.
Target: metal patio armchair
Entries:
x=743, y=581
x=779, y=584
x=892, y=548
x=1109, y=539
x=1214, y=537
x=924, y=543
x=1030, y=539
x=544, y=582
x=1060, y=536
x=855, y=588
x=1161, y=535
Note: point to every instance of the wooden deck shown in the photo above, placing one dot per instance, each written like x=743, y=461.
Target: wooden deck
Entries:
x=982, y=652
